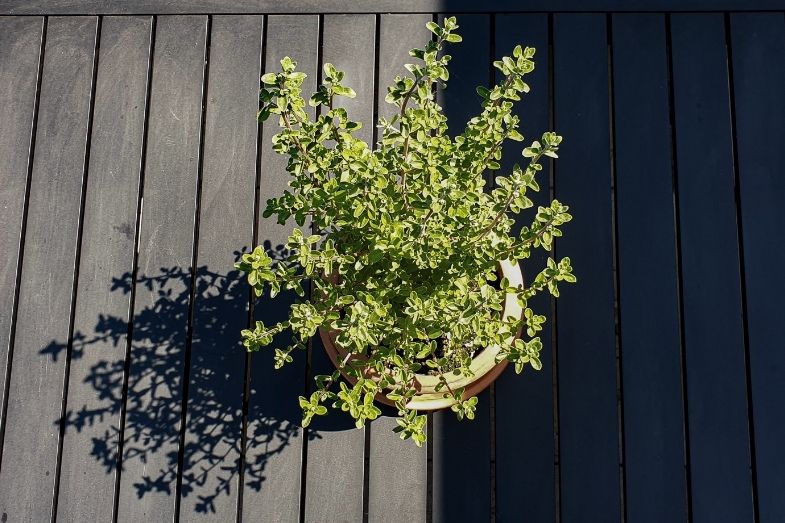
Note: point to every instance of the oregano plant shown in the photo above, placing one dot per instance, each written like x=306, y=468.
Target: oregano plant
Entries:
x=397, y=245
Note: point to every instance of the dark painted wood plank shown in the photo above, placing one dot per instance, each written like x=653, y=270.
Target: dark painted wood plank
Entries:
x=713, y=332
x=371, y=6
x=35, y=394
x=524, y=403
x=399, y=496
x=759, y=85
x=462, y=449
x=20, y=38
x=163, y=286
x=336, y=456
x=588, y=426
x=92, y=417
x=274, y=438
x=654, y=461
x=214, y=416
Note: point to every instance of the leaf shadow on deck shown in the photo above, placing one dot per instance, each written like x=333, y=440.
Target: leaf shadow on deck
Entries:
x=212, y=449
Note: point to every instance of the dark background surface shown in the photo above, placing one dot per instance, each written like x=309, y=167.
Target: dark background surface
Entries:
x=132, y=172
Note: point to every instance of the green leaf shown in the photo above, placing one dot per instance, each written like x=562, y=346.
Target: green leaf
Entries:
x=515, y=135
x=344, y=91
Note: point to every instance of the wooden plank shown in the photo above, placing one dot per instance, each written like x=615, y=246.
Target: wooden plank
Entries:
x=274, y=438
x=759, y=86
x=372, y=6
x=713, y=330
x=163, y=285
x=524, y=404
x=402, y=495
x=92, y=417
x=654, y=461
x=336, y=456
x=20, y=37
x=588, y=426
x=462, y=449
x=35, y=394
x=214, y=416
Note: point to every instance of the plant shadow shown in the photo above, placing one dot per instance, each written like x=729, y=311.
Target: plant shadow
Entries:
x=148, y=389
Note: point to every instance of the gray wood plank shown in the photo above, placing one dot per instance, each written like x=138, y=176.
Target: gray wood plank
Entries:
x=214, y=416
x=92, y=417
x=20, y=38
x=713, y=331
x=654, y=460
x=160, y=321
x=758, y=47
x=399, y=496
x=336, y=457
x=588, y=423
x=273, y=453
x=462, y=449
x=36, y=385
x=371, y=6
x=524, y=403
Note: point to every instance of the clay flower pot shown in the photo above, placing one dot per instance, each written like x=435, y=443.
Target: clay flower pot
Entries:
x=484, y=365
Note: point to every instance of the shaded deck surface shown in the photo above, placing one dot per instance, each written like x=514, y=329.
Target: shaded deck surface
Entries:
x=132, y=171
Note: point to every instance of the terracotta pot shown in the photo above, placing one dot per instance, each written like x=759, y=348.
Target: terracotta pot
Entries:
x=483, y=365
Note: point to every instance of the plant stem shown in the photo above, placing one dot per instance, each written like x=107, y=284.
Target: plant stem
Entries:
x=506, y=205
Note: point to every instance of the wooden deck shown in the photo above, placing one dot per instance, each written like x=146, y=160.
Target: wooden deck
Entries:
x=132, y=171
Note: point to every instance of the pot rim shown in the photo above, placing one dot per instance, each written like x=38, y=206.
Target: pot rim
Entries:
x=483, y=366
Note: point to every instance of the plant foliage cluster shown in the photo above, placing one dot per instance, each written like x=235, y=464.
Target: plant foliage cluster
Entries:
x=400, y=242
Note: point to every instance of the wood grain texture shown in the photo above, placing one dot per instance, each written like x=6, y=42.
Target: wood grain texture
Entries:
x=274, y=450
x=336, y=456
x=588, y=425
x=654, y=460
x=758, y=47
x=524, y=403
x=20, y=38
x=462, y=449
x=713, y=331
x=30, y=447
x=163, y=284
x=370, y=6
x=211, y=462
x=399, y=493
x=725, y=200
x=92, y=416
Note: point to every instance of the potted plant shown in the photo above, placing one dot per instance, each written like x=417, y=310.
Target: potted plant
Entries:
x=414, y=278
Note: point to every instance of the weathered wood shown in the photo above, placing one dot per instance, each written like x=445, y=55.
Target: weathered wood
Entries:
x=396, y=493
x=151, y=436
x=336, y=456
x=462, y=449
x=713, y=330
x=30, y=447
x=211, y=456
x=272, y=482
x=588, y=425
x=524, y=404
x=160, y=480
x=758, y=48
x=371, y=6
x=92, y=416
x=20, y=38
x=654, y=461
